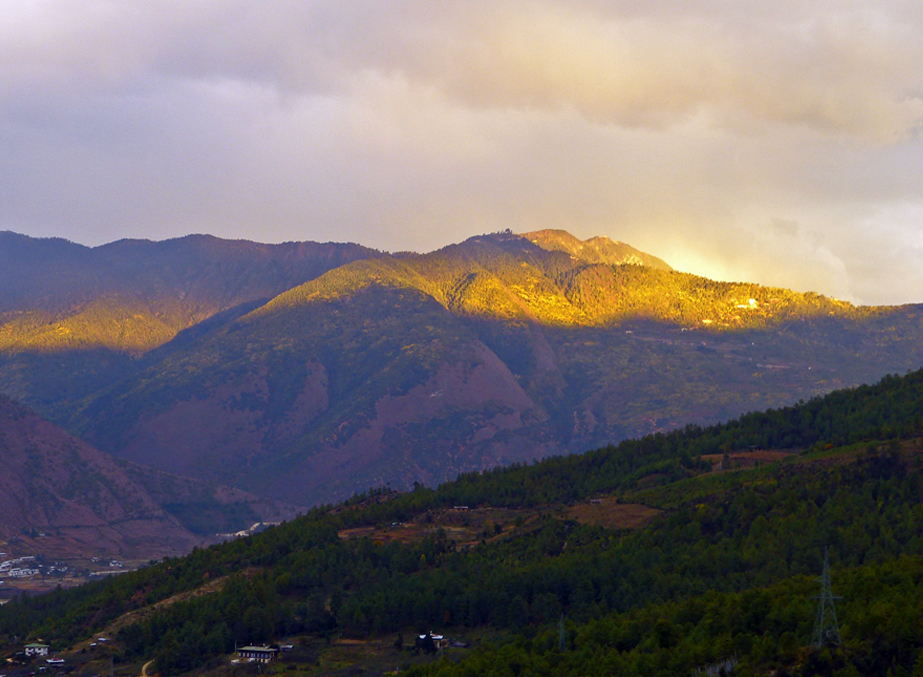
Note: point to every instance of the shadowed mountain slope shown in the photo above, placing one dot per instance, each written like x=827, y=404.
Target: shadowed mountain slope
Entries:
x=496, y=350
x=60, y=496
x=678, y=554
x=78, y=498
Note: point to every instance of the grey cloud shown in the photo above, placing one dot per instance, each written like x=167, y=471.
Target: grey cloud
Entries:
x=849, y=68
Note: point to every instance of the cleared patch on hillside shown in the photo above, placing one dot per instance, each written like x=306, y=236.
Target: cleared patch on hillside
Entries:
x=466, y=526
x=745, y=459
x=469, y=527
x=609, y=513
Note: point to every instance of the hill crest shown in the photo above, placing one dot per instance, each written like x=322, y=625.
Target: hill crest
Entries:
x=551, y=278
x=599, y=249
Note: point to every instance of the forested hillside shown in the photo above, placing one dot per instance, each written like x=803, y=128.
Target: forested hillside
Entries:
x=736, y=520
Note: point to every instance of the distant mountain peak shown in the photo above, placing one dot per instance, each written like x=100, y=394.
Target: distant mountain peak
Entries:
x=599, y=249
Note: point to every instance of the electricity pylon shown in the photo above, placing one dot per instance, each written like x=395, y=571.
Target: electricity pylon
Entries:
x=826, y=627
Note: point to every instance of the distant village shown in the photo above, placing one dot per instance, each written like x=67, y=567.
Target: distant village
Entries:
x=32, y=574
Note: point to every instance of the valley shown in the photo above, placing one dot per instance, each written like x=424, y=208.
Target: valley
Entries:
x=461, y=339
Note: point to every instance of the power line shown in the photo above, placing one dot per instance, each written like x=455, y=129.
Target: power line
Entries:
x=826, y=627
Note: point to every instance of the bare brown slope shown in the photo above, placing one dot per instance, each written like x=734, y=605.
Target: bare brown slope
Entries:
x=78, y=497
x=363, y=420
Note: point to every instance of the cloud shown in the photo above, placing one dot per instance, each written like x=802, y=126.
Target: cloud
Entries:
x=644, y=71
x=750, y=140
x=844, y=67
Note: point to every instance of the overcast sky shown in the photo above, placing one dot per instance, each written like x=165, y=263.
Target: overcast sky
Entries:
x=776, y=142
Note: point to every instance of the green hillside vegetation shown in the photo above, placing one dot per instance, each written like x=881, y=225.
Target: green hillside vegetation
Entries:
x=726, y=569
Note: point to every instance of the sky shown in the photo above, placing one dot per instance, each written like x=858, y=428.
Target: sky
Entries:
x=776, y=142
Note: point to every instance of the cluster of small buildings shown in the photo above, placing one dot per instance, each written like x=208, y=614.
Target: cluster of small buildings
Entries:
x=41, y=650
x=113, y=564
x=21, y=567
x=28, y=566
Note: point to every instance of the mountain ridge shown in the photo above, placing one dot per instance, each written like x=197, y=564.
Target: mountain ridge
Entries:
x=512, y=278
x=75, y=319
x=152, y=289
x=599, y=249
x=410, y=368
x=487, y=352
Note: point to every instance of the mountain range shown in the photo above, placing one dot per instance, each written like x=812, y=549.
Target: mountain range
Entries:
x=306, y=372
